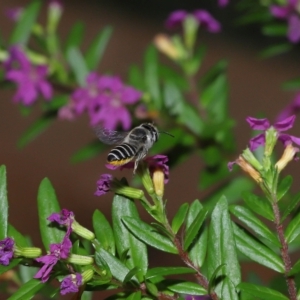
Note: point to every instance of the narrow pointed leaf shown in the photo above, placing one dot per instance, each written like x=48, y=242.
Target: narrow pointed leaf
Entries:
x=3, y=204
x=197, y=250
x=17, y=236
x=221, y=247
x=194, y=228
x=164, y=271
x=75, y=36
x=125, y=240
x=87, y=152
x=152, y=288
x=257, y=251
x=48, y=204
x=95, y=52
x=275, y=50
x=104, y=232
x=295, y=269
x=292, y=204
x=149, y=235
x=284, y=186
x=180, y=217
x=229, y=290
x=259, y=205
x=24, y=26
x=293, y=229
x=188, y=288
x=261, y=292
x=249, y=219
x=135, y=296
x=35, y=129
x=27, y=290
x=77, y=64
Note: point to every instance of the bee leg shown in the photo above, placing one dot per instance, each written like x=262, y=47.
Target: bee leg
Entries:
x=140, y=155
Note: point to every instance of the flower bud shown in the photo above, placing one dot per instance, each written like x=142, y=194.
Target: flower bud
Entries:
x=158, y=178
x=29, y=252
x=82, y=231
x=251, y=159
x=164, y=44
x=246, y=167
x=271, y=139
x=144, y=173
x=87, y=275
x=81, y=260
x=288, y=155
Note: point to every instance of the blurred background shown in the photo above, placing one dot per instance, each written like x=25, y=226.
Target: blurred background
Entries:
x=254, y=88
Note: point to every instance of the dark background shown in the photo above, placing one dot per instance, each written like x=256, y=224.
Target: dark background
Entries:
x=254, y=88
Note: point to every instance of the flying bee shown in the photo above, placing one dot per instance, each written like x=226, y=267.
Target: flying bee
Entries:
x=130, y=145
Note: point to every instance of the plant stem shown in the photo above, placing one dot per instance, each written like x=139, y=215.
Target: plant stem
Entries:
x=284, y=252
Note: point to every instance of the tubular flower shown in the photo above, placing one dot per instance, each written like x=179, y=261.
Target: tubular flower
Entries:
x=290, y=12
x=105, y=99
x=57, y=252
x=30, y=80
x=104, y=184
x=65, y=217
x=6, y=251
x=203, y=17
x=71, y=284
x=289, y=154
x=279, y=127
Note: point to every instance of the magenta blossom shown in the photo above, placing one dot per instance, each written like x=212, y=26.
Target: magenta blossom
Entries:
x=6, y=251
x=71, y=284
x=30, y=80
x=289, y=12
x=65, y=218
x=57, y=252
x=103, y=184
x=154, y=162
x=264, y=124
x=203, y=17
x=291, y=109
x=105, y=99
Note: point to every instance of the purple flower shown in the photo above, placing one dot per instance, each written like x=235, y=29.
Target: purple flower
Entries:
x=71, y=284
x=31, y=80
x=223, y=3
x=264, y=124
x=103, y=184
x=154, y=162
x=204, y=18
x=65, y=217
x=290, y=13
x=292, y=109
x=6, y=251
x=105, y=99
x=57, y=252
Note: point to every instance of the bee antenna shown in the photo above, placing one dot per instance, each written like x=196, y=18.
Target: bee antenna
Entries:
x=167, y=133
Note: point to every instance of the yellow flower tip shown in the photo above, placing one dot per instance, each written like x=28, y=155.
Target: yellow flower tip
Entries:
x=164, y=44
x=159, y=182
x=288, y=154
x=247, y=168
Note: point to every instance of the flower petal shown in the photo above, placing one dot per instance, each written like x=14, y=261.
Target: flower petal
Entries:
x=257, y=141
x=258, y=124
x=285, y=124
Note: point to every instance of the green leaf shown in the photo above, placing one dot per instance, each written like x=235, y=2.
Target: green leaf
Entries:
x=293, y=84
x=77, y=64
x=248, y=218
x=151, y=76
x=221, y=248
x=289, y=208
x=261, y=292
x=48, y=204
x=275, y=50
x=95, y=52
x=229, y=290
x=164, y=271
x=27, y=290
x=179, y=217
x=149, y=235
x=87, y=152
x=173, y=98
x=75, y=36
x=35, y=129
x=151, y=288
x=189, y=288
x=284, y=186
x=295, y=269
x=259, y=205
x=17, y=236
x=3, y=203
x=275, y=29
x=22, y=31
x=193, y=229
x=197, y=250
x=118, y=269
x=135, y=296
x=125, y=240
x=293, y=229
x=11, y=265
x=256, y=250
x=104, y=232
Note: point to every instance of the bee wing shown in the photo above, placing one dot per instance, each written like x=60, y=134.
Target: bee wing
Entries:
x=110, y=137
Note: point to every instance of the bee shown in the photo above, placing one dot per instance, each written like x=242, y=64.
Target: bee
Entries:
x=130, y=145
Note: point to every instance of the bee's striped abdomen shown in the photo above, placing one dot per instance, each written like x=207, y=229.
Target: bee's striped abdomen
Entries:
x=121, y=154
